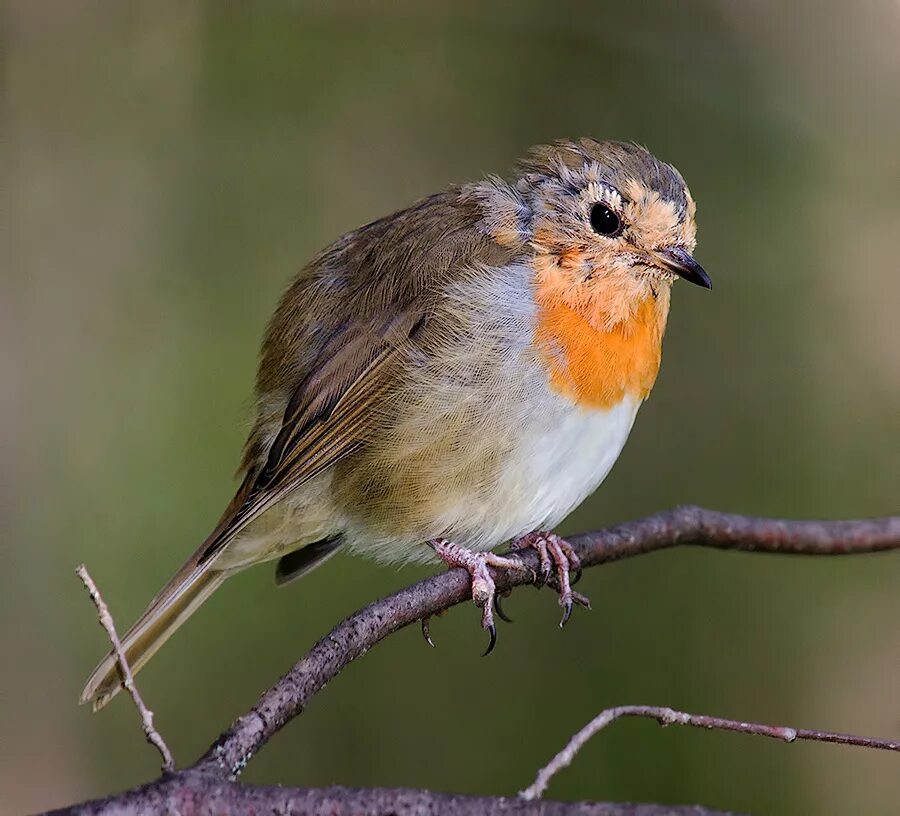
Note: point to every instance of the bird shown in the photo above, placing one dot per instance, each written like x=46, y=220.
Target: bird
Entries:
x=455, y=376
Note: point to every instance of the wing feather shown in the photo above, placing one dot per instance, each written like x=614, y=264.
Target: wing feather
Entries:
x=325, y=421
x=341, y=337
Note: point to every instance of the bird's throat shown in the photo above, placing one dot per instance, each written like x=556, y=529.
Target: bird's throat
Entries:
x=596, y=362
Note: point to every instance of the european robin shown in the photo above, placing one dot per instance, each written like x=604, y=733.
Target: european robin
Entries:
x=457, y=375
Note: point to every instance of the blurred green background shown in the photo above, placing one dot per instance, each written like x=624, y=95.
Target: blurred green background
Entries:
x=170, y=165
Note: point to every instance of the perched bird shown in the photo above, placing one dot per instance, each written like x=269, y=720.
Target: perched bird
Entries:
x=457, y=375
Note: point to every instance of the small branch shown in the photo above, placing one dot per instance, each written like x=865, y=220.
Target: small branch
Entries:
x=106, y=621
x=681, y=526
x=668, y=716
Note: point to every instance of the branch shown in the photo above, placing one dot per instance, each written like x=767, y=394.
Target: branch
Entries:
x=106, y=621
x=668, y=716
x=683, y=525
x=208, y=786
x=193, y=794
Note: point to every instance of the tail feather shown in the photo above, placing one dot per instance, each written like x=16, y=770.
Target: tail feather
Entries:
x=174, y=604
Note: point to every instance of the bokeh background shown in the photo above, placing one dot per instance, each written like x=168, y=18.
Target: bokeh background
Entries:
x=169, y=165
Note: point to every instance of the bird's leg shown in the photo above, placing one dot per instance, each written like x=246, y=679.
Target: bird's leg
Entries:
x=555, y=551
x=483, y=587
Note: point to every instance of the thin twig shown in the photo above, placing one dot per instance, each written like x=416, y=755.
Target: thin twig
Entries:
x=106, y=621
x=668, y=716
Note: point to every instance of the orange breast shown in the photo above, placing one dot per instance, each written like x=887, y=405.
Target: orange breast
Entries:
x=597, y=367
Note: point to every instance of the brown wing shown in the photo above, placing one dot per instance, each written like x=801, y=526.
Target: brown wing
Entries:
x=341, y=335
x=325, y=420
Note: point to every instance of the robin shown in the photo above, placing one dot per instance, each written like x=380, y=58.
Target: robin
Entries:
x=456, y=375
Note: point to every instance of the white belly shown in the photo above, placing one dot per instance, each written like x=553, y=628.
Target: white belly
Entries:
x=566, y=454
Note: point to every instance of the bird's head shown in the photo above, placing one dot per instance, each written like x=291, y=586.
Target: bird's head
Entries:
x=607, y=222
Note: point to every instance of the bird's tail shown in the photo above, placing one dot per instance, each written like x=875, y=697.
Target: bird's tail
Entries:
x=174, y=604
x=197, y=579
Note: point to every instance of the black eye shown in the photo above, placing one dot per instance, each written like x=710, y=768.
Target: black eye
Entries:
x=604, y=220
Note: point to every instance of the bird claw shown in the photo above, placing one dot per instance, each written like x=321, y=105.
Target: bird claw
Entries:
x=552, y=551
x=551, y=548
x=426, y=631
x=484, y=590
x=499, y=609
x=492, y=631
x=567, y=611
x=581, y=600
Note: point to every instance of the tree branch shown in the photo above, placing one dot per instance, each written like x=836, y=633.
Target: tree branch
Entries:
x=683, y=525
x=208, y=786
x=192, y=794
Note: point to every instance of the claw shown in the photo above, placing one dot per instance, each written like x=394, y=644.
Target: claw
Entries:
x=426, y=631
x=492, y=630
x=567, y=611
x=554, y=551
x=581, y=600
x=546, y=564
x=483, y=586
x=577, y=577
x=499, y=610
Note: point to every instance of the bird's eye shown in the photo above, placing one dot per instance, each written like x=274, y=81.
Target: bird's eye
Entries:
x=604, y=221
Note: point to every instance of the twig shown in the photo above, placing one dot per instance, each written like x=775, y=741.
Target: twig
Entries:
x=668, y=716
x=106, y=621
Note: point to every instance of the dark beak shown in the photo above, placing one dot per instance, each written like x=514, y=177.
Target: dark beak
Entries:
x=682, y=264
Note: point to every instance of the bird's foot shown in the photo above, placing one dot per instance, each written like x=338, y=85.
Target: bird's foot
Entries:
x=484, y=590
x=554, y=551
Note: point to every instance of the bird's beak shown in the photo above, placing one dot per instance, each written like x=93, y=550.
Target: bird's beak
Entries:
x=682, y=264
